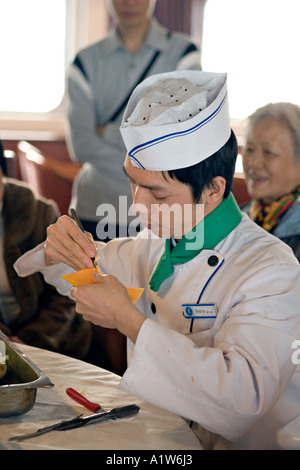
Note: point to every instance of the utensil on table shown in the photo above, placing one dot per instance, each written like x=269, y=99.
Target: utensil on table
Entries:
x=39, y=432
x=18, y=388
x=79, y=224
x=3, y=366
x=78, y=421
x=95, y=407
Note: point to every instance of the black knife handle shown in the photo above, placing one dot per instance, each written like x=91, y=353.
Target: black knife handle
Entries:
x=115, y=413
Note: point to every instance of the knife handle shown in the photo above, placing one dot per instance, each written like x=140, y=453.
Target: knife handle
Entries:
x=79, y=224
x=115, y=413
x=82, y=400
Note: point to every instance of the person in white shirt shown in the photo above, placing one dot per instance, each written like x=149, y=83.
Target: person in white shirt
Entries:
x=215, y=335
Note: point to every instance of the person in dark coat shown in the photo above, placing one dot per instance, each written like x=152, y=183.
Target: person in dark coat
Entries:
x=32, y=311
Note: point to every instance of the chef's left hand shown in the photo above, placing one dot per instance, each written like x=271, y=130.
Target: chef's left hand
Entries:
x=106, y=303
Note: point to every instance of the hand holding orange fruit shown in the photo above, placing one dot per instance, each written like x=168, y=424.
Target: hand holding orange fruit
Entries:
x=84, y=277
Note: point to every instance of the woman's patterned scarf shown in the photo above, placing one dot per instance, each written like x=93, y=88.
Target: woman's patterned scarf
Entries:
x=268, y=215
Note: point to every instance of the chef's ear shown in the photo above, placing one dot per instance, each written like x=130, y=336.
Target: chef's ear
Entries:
x=216, y=189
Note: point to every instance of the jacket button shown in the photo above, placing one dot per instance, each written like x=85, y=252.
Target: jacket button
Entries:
x=213, y=260
x=153, y=308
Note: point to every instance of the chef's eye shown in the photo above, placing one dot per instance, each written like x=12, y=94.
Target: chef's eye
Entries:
x=160, y=198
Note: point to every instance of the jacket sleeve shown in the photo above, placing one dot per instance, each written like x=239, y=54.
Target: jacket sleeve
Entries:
x=84, y=142
x=191, y=60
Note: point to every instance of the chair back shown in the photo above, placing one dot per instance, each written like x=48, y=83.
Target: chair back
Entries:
x=49, y=177
x=239, y=189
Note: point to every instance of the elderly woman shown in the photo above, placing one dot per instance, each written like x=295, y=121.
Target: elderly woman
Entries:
x=271, y=160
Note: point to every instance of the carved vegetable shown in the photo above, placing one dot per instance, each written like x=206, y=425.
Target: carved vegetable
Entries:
x=83, y=277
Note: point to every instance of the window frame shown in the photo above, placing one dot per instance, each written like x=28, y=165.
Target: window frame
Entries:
x=239, y=123
x=81, y=17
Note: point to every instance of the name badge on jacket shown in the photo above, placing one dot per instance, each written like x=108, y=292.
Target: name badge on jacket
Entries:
x=199, y=310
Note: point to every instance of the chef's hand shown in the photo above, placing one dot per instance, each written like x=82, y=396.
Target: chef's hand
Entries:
x=106, y=303
x=66, y=243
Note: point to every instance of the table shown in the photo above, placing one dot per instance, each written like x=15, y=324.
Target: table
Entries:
x=151, y=429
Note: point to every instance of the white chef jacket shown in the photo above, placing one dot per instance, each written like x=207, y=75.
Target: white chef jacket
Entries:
x=232, y=375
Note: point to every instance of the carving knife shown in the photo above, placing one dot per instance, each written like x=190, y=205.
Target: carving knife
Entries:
x=78, y=421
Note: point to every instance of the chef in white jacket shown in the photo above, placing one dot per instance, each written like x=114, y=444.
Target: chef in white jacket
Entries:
x=215, y=336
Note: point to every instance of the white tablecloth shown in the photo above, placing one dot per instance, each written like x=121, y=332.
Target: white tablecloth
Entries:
x=152, y=428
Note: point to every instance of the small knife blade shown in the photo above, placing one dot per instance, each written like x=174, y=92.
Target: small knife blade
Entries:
x=41, y=431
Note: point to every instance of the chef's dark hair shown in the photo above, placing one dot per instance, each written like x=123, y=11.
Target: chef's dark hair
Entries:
x=2, y=160
x=199, y=176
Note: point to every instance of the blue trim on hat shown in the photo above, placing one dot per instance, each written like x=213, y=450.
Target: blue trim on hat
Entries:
x=153, y=142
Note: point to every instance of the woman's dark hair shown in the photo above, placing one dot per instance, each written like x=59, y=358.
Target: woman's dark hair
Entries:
x=199, y=176
x=2, y=160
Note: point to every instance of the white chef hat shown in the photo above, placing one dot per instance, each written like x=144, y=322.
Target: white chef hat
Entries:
x=176, y=119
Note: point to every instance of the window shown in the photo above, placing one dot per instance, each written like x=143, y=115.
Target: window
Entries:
x=257, y=43
x=32, y=38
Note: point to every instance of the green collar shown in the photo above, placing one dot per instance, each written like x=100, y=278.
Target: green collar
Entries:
x=205, y=236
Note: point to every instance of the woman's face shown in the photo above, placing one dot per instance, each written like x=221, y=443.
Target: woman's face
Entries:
x=132, y=12
x=270, y=167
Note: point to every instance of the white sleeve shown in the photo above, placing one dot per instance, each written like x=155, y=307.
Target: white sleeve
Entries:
x=114, y=258
x=31, y=262
x=34, y=261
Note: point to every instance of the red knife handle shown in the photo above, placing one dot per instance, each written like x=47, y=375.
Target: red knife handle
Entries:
x=82, y=400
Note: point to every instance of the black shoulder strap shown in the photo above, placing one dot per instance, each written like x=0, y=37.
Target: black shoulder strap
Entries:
x=141, y=78
x=77, y=62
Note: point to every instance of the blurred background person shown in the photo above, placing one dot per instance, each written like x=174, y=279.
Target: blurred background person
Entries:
x=32, y=311
x=271, y=161
x=100, y=81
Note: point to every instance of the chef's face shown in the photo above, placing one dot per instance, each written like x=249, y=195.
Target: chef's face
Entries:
x=164, y=205
x=131, y=12
x=271, y=169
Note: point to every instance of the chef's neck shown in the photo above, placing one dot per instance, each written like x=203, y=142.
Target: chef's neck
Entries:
x=209, y=205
